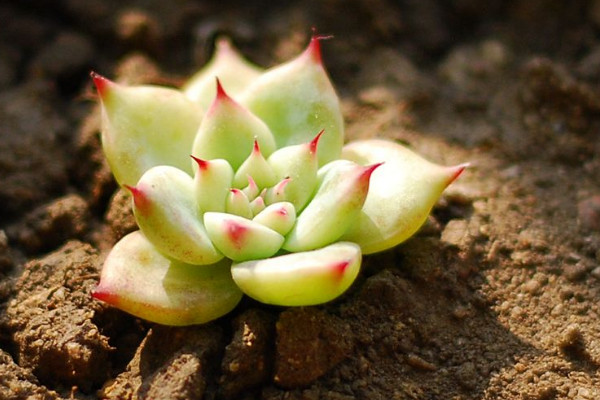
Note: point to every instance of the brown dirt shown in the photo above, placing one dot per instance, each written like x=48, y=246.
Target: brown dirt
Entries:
x=498, y=295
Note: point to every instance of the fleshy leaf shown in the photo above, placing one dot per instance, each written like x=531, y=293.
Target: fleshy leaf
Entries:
x=296, y=100
x=298, y=162
x=228, y=130
x=276, y=193
x=166, y=211
x=300, y=279
x=145, y=126
x=256, y=167
x=401, y=194
x=241, y=239
x=334, y=208
x=238, y=204
x=233, y=70
x=137, y=279
x=212, y=181
x=279, y=216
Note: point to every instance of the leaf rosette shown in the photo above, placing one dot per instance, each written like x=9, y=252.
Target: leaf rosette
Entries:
x=271, y=204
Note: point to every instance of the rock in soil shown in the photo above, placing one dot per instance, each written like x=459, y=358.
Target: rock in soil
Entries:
x=170, y=363
x=51, y=319
x=310, y=342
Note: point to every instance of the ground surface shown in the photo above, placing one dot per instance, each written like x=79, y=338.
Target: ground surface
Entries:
x=496, y=298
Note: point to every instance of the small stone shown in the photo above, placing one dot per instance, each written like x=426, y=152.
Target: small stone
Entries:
x=532, y=286
x=50, y=225
x=455, y=232
x=575, y=272
x=588, y=211
x=419, y=363
x=596, y=273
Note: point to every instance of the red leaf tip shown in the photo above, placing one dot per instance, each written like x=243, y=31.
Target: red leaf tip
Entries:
x=101, y=83
x=139, y=199
x=369, y=169
x=202, y=164
x=456, y=171
x=256, y=148
x=314, y=47
x=315, y=142
x=221, y=94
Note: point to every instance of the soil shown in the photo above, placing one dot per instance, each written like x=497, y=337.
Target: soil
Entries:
x=497, y=297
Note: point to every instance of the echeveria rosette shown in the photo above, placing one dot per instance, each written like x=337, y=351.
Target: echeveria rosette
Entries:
x=270, y=204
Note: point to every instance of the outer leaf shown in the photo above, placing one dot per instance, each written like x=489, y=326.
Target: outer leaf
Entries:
x=141, y=281
x=166, y=211
x=145, y=126
x=241, y=239
x=228, y=131
x=333, y=209
x=401, y=194
x=296, y=100
x=300, y=279
x=232, y=69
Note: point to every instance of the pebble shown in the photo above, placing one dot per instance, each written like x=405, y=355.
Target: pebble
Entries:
x=588, y=211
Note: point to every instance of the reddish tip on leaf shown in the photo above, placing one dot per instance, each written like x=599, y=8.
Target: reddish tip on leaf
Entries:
x=457, y=171
x=280, y=187
x=235, y=192
x=236, y=233
x=221, y=94
x=139, y=199
x=282, y=211
x=101, y=83
x=202, y=164
x=314, y=47
x=368, y=170
x=340, y=268
x=315, y=142
x=252, y=184
x=256, y=147
x=99, y=293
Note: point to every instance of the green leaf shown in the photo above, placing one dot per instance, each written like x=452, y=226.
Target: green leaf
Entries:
x=137, y=279
x=401, y=195
x=145, y=126
x=300, y=279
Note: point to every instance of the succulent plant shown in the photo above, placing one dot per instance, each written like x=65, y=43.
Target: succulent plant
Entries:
x=271, y=204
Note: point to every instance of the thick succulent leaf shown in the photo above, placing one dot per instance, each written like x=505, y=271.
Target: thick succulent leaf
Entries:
x=145, y=126
x=401, y=195
x=241, y=239
x=212, y=181
x=300, y=279
x=299, y=163
x=278, y=216
x=255, y=167
x=137, y=279
x=238, y=204
x=334, y=208
x=166, y=211
x=296, y=100
x=229, y=130
x=229, y=66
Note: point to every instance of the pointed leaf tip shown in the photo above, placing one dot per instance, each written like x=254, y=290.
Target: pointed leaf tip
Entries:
x=457, y=171
x=314, y=47
x=315, y=142
x=202, y=164
x=139, y=199
x=369, y=169
x=101, y=83
x=256, y=147
x=221, y=94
